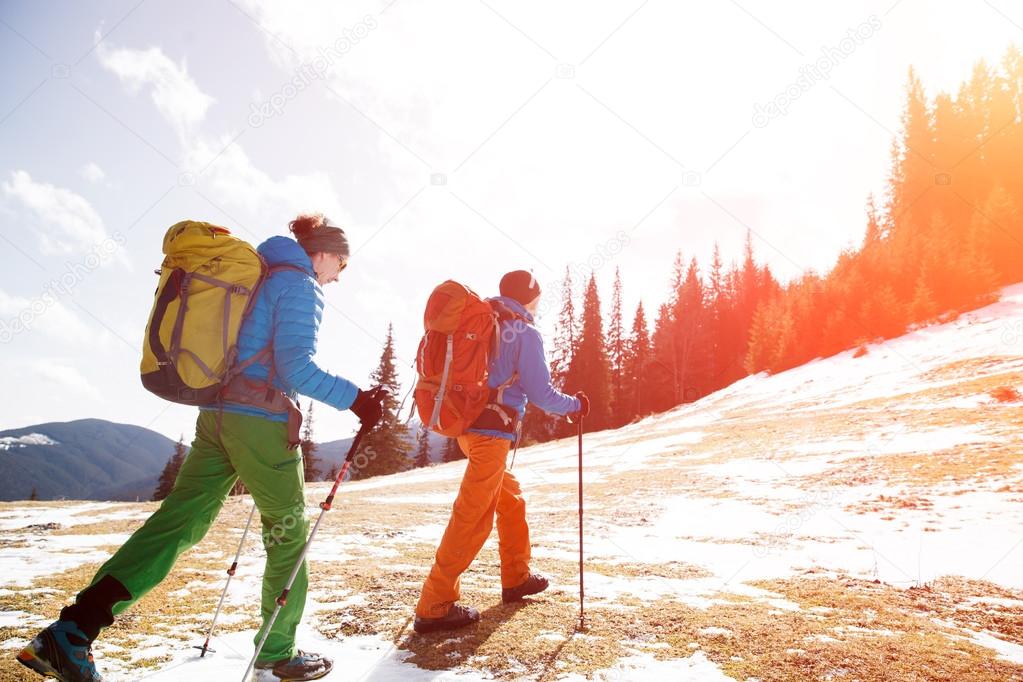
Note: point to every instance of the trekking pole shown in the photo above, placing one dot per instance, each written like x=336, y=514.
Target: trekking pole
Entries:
x=324, y=508
x=230, y=574
x=582, y=613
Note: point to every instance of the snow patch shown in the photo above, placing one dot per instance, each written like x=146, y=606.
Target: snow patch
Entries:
x=357, y=658
x=66, y=515
x=643, y=667
x=1007, y=651
x=21, y=565
x=14, y=619
x=715, y=630
x=12, y=442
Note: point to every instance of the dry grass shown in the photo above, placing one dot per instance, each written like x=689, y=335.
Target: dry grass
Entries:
x=965, y=467
x=966, y=369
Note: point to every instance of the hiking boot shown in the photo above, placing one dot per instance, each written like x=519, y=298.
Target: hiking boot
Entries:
x=458, y=616
x=61, y=651
x=304, y=666
x=534, y=584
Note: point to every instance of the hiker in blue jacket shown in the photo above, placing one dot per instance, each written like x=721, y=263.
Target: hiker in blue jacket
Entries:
x=517, y=375
x=251, y=435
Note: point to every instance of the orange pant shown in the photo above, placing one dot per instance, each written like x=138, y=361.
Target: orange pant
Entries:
x=486, y=488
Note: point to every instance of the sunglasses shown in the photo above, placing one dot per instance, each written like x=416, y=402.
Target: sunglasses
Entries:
x=343, y=263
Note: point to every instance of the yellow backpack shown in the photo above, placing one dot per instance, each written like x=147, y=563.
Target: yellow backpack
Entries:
x=208, y=283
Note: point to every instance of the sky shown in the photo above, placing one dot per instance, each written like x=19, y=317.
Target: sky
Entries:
x=454, y=140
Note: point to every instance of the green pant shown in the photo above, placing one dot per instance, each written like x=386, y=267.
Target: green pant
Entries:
x=256, y=451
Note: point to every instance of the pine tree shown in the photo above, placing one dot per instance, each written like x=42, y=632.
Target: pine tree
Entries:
x=835, y=333
x=890, y=319
x=913, y=195
x=761, y=342
x=565, y=334
x=635, y=402
x=997, y=230
x=716, y=319
x=663, y=385
x=310, y=460
x=691, y=337
x=385, y=449
x=589, y=370
x=748, y=280
x=874, y=235
x=451, y=452
x=170, y=471
x=784, y=351
x=423, y=447
x=923, y=307
x=981, y=279
x=732, y=338
x=34, y=497
x=616, y=349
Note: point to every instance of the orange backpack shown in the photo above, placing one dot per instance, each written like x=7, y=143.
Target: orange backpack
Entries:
x=462, y=335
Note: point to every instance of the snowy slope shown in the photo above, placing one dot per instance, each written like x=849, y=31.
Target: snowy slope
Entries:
x=896, y=474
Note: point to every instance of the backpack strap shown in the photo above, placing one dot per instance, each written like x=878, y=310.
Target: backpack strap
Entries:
x=448, y=356
x=502, y=313
x=499, y=391
x=231, y=289
x=518, y=439
x=170, y=291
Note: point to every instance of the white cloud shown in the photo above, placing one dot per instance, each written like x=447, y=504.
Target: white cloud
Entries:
x=63, y=221
x=64, y=378
x=45, y=315
x=92, y=172
x=226, y=174
x=235, y=180
x=175, y=93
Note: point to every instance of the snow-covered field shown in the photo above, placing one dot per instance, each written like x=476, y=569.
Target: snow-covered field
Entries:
x=853, y=518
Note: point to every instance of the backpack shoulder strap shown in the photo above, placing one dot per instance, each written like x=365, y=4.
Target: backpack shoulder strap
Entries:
x=265, y=354
x=504, y=313
x=499, y=391
x=285, y=266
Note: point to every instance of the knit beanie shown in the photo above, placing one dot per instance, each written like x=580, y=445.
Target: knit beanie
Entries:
x=521, y=286
x=315, y=233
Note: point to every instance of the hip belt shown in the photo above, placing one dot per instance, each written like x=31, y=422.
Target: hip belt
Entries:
x=254, y=393
x=497, y=417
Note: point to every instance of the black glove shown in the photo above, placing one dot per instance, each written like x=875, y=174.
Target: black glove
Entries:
x=369, y=406
x=584, y=408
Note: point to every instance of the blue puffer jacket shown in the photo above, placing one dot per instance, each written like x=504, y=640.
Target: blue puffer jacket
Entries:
x=522, y=352
x=289, y=307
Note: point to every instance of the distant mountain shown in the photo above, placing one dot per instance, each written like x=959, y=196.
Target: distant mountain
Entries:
x=86, y=459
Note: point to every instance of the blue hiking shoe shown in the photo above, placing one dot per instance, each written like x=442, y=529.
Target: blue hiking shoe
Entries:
x=61, y=651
